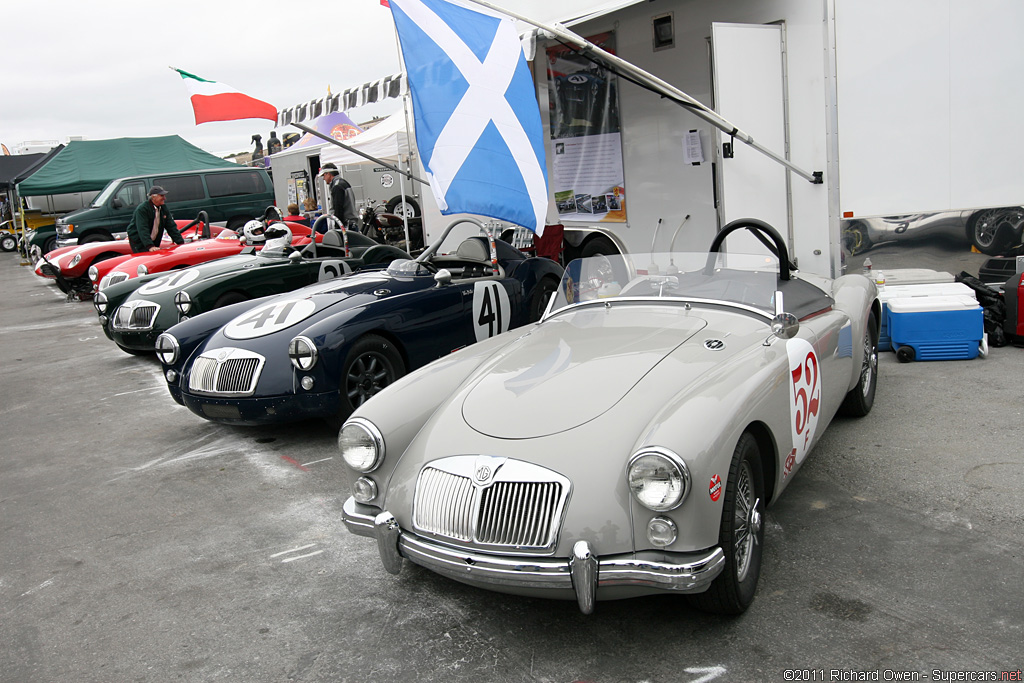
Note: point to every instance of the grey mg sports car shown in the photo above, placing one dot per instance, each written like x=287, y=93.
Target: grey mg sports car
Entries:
x=628, y=442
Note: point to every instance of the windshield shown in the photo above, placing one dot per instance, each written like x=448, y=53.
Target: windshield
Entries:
x=747, y=279
x=104, y=195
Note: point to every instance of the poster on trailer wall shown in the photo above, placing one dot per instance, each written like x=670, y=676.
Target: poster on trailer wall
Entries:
x=586, y=138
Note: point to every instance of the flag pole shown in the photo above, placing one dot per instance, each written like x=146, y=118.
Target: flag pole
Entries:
x=374, y=159
x=654, y=83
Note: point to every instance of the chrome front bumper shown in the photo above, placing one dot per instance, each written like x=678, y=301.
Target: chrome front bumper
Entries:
x=584, y=573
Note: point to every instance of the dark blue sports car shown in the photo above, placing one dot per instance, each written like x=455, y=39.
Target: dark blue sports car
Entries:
x=324, y=350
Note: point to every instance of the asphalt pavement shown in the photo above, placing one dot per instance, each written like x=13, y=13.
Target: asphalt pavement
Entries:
x=141, y=543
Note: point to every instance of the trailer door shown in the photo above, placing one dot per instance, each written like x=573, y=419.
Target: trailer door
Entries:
x=749, y=89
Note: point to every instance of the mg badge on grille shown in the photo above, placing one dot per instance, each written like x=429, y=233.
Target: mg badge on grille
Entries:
x=483, y=474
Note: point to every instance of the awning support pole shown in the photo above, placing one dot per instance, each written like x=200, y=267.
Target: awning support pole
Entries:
x=375, y=160
x=653, y=82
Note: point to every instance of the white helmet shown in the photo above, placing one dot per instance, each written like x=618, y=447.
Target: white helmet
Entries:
x=254, y=232
x=278, y=236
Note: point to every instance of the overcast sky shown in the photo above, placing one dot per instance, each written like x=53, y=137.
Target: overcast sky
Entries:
x=100, y=69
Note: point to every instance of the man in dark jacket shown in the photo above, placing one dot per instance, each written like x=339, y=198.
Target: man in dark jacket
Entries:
x=150, y=220
x=343, y=199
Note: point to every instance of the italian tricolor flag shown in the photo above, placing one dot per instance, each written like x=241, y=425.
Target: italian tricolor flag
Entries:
x=213, y=101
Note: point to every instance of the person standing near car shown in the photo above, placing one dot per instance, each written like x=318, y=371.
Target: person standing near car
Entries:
x=343, y=199
x=150, y=220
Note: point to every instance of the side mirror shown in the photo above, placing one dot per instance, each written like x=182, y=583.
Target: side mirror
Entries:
x=443, y=277
x=784, y=325
x=295, y=256
x=116, y=203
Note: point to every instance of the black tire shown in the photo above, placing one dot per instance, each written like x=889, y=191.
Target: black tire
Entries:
x=411, y=207
x=990, y=231
x=906, y=354
x=598, y=246
x=95, y=237
x=49, y=244
x=859, y=400
x=372, y=364
x=229, y=298
x=134, y=352
x=741, y=534
x=237, y=223
x=8, y=242
x=541, y=294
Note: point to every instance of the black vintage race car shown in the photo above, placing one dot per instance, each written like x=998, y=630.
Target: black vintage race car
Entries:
x=324, y=350
x=135, y=312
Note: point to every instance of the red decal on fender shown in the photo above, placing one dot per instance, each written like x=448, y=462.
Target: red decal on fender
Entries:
x=715, y=488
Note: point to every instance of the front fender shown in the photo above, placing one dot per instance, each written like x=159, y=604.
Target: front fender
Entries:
x=409, y=402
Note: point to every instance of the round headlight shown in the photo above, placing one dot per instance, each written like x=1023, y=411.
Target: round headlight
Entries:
x=167, y=348
x=183, y=302
x=658, y=479
x=99, y=302
x=75, y=260
x=142, y=270
x=302, y=352
x=361, y=444
x=94, y=273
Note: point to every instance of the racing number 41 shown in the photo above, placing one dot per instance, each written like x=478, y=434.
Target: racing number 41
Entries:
x=490, y=310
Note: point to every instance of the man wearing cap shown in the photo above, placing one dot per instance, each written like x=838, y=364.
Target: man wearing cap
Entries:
x=343, y=199
x=150, y=220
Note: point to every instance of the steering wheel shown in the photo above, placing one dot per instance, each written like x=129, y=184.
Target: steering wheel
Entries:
x=765, y=234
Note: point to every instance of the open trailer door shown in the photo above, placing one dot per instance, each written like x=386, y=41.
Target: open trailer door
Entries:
x=748, y=62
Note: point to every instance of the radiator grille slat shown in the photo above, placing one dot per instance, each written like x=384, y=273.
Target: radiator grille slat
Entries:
x=519, y=514
x=135, y=315
x=234, y=375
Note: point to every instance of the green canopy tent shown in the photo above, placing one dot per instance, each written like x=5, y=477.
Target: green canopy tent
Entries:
x=88, y=165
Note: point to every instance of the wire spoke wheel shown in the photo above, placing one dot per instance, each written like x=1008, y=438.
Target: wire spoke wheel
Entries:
x=747, y=522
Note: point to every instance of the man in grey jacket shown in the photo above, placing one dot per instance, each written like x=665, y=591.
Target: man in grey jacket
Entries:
x=343, y=199
x=150, y=220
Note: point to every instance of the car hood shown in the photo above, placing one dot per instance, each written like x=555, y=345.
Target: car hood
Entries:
x=588, y=358
x=312, y=303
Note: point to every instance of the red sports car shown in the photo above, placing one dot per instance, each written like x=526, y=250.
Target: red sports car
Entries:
x=69, y=266
x=227, y=243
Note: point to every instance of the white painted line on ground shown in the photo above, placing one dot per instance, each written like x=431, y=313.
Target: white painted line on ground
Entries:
x=292, y=559
x=293, y=550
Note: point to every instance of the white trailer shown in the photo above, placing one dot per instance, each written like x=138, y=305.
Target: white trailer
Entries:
x=903, y=106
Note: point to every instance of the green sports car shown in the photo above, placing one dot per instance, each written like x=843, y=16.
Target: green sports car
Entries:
x=133, y=313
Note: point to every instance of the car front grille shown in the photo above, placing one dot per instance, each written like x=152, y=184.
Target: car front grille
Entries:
x=48, y=270
x=135, y=316
x=226, y=372
x=491, y=503
x=112, y=279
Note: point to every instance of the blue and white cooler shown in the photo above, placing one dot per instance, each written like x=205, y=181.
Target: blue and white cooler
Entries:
x=948, y=327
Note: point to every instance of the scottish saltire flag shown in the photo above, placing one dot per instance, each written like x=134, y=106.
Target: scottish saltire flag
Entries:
x=477, y=120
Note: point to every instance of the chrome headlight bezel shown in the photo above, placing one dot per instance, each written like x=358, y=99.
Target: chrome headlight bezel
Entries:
x=167, y=349
x=183, y=302
x=361, y=445
x=93, y=273
x=99, y=302
x=142, y=270
x=75, y=260
x=656, y=466
x=302, y=353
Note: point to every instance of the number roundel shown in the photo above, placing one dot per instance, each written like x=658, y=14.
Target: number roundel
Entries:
x=492, y=310
x=269, y=318
x=804, y=397
x=170, y=282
